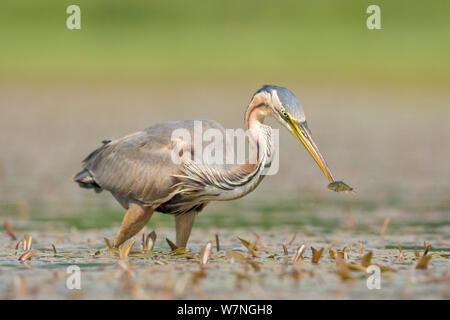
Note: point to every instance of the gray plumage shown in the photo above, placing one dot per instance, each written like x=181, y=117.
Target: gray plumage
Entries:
x=140, y=172
x=138, y=168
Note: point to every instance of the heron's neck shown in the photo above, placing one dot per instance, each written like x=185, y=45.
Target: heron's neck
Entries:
x=257, y=132
x=227, y=184
x=244, y=178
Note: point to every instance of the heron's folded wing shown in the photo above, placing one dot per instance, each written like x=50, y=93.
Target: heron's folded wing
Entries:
x=135, y=167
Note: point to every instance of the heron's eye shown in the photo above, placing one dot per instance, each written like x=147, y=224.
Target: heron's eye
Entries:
x=284, y=113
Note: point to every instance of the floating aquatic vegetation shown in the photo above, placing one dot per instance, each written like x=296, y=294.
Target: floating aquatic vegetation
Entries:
x=111, y=249
x=423, y=262
x=416, y=253
x=343, y=253
x=126, y=247
x=285, y=249
x=217, y=243
x=443, y=255
x=384, y=227
x=298, y=253
x=250, y=247
x=292, y=239
x=356, y=267
x=339, y=186
x=235, y=256
x=205, y=253
x=27, y=242
x=172, y=245
x=9, y=230
x=27, y=255
x=425, y=258
x=148, y=243
x=400, y=254
x=108, y=243
x=16, y=247
x=365, y=260
x=316, y=254
x=427, y=248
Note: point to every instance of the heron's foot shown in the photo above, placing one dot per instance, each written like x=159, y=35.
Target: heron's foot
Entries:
x=135, y=219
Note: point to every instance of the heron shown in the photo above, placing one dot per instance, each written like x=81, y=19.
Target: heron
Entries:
x=139, y=172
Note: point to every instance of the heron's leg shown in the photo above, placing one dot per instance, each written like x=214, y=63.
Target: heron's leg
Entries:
x=183, y=227
x=135, y=219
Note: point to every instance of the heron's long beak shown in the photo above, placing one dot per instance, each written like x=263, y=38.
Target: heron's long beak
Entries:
x=302, y=133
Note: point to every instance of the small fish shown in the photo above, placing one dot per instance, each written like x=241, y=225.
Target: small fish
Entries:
x=339, y=186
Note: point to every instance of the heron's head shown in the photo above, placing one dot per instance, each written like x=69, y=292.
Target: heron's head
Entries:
x=285, y=107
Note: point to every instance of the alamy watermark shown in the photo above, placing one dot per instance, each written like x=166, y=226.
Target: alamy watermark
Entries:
x=374, y=20
x=214, y=146
x=73, y=281
x=374, y=280
x=73, y=22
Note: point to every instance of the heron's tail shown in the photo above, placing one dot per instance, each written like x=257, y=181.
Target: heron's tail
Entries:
x=86, y=180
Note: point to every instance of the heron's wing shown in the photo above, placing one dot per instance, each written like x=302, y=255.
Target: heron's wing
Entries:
x=139, y=166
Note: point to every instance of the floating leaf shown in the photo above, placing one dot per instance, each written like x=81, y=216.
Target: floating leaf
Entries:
x=172, y=245
x=205, y=253
x=384, y=227
x=356, y=267
x=385, y=268
x=251, y=248
x=427, y=248
x=444, y=255
x=27, y=242
x=286, y=252
x=298, y=253
x=400, y=254
x=360, y=247
x=316, y=254
x=233, y=255
x=16, y=247
x=416, y=253
x=10, y=230
x=27, y=255
x=125, y=249
x=217, y=243
x=365, y=260
x=292, y=239
x=178, y=251
x=108, y=243
x=150, y=241
x=423, y=262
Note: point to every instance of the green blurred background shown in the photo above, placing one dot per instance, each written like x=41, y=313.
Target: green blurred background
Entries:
x=265, y=40
x=377, y=102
